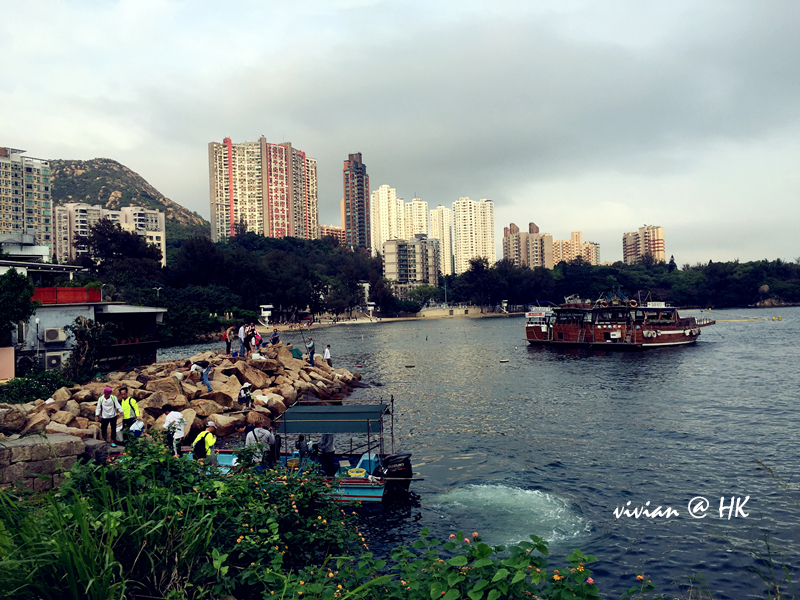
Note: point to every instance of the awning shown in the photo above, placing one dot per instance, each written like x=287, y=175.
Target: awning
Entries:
x=353, y=418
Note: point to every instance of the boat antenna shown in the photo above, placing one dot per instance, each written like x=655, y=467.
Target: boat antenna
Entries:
x=392, y=401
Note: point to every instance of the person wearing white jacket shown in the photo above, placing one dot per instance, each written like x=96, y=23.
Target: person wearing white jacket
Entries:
x=107, y=411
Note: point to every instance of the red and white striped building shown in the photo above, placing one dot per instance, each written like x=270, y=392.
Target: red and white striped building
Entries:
x=269, y=189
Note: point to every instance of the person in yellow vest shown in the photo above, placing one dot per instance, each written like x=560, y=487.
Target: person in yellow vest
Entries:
x=204, y=444
x=130, y=410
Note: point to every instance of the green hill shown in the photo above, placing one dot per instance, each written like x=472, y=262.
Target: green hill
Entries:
x=106, y=182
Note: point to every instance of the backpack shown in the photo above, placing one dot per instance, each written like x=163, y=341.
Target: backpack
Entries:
x=201, y=451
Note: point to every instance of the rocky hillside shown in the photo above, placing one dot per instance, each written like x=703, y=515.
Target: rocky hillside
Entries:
x=113, y=185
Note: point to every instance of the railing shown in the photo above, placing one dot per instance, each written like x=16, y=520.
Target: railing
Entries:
x=66, y=295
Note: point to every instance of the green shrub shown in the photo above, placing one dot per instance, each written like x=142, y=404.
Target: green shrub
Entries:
x=35, y=385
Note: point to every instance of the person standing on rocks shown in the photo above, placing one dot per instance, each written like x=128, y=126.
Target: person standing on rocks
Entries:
x=242, y=338
x=174, y=423
x=326, y=354
x=310, y=346
x=130, y=410
x=204, y=444
x=230, y=335
x=202, y=367
x=107, y=411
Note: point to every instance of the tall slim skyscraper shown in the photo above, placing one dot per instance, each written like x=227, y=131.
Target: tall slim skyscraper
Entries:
x=473, y=232
x=355, y=203
x=442, y=230
x=388, y=217
x=416, y=218
x=270, y=189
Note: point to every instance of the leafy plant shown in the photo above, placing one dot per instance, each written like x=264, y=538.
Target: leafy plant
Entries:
x=36, y=384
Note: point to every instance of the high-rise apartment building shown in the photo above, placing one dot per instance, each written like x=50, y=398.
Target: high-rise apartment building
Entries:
x=416, y=218
x=25, y=202
x=575, y=247
x=408, y=263
x=442, y=230
x=531, y=249
x=269, y=189
x=647, y=240
x=473, y=232
x=74, y=219
x=355, y=203
x=388, y=217
x=332, y=231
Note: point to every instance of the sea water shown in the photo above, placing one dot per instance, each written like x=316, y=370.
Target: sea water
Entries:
x=557, y=443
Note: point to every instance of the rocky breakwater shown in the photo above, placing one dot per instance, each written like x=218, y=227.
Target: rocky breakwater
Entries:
x=277, y=381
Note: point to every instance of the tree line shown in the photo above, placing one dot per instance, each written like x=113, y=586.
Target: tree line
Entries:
x=300, y=278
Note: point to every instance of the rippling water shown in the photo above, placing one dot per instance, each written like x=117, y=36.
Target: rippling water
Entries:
x=553, y=441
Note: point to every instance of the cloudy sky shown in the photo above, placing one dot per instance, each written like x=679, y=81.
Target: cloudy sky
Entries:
x=597, y=117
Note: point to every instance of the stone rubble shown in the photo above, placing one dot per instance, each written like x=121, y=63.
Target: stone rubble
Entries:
x=278, y=381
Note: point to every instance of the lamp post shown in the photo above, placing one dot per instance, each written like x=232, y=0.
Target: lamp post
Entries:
x=101, y=291
x=158, y=292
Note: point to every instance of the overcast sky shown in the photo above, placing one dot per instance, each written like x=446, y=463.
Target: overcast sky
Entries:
x=597, y=117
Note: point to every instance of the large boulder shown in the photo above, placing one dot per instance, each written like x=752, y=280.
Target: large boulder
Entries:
x=226, y=424
x=223, y=397
x=87, y=409
x=62, y=394
x=247, y=374
x=170, y=386
x=64, y=417
x=180, y=403
x=289, y=394
x=96, y=388
x=37, y=422
x=276, y=407
x=83, y=396
x=191, y=391
x=206, y=408
x=159, y=422
x=258, y=419
x=155, y=403
x=49, y=407
x=141, y=394
x=132, y=384
x=208, y=355
x=73, y=407
x=264, y=364
x=189, y=415
x=12, y=420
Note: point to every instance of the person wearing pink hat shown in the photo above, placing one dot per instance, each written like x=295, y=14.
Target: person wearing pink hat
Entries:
x=107, y=411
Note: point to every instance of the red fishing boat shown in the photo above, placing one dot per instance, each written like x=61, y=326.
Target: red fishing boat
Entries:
x=614, y=321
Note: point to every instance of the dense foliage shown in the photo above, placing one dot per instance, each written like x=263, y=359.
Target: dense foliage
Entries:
x=16, y=305
x=33, y=385
x=711, y=285
x=153, y=526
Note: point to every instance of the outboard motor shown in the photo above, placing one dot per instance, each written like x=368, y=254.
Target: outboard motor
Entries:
x=396, y=466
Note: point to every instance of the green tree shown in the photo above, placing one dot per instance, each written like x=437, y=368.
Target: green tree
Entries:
x=110, y=250
x=16, y=305
x=422, y=294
